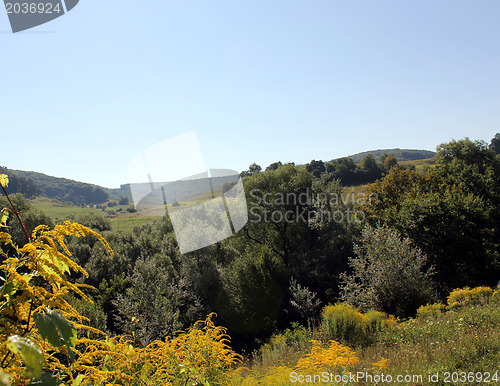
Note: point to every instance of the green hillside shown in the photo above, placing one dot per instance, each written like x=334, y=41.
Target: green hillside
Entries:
x=58, y=188
x=399, y=154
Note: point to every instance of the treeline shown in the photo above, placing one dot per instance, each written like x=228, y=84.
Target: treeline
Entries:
x=32, y=184
x=346, y=170
x=425, y=234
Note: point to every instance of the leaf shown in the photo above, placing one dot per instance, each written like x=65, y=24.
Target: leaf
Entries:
x=57, y=330
x=4, y=180
x=4, y=216
x=46, y=257
x=30, y=352
x=8, y=289
x=78, y=380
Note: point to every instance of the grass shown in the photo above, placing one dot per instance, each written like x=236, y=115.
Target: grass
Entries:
x=126, y=223
x=420, y=164
x=60, y=210
x=121, y=219
x=457, y=346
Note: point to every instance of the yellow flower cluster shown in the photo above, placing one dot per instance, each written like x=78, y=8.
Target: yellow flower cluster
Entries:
x=197, y=356
x=466, y=296
x=321, y=358
x=334, y=357
x=35, y=278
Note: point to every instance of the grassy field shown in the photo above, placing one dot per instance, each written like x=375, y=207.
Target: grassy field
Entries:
x=120, y=221
x=60, y=210
x=456, y=344
x=421, y=164
x=126, y=223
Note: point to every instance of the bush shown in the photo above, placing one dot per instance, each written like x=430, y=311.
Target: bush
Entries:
x=468, y=297
x=286, y=347
x=378, y=321
x=344, y=323
x=430, y=310
x=389, y=274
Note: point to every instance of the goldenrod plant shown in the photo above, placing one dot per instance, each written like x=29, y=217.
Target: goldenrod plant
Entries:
x=38, y=326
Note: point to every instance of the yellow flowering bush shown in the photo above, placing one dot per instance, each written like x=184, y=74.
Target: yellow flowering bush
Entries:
x=345, y=323
x=466, y=297
x=331, y=357
x=430, y=310
x=35, y=330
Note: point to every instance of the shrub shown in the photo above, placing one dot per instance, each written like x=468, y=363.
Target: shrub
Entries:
x=344, y=323
x=430, y=310
x=388, y=274
x=378, y=321
x=321, y=358
x=286, y=347
x=468, y=297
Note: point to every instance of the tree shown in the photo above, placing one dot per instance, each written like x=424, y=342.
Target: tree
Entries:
x=274, y=165
x=472, y=166
x=388, y=274
x=449, y=212
x=95, y=221
x=495, y=143
x=158, y=303
x=252, y=169
x=123, y=201
x=371, y=168
x=316, y=168
x=304, y=225
x=252, y=292
x=389, y=162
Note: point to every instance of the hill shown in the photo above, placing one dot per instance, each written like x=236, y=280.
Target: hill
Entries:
x=38, y=184
x=400, y=154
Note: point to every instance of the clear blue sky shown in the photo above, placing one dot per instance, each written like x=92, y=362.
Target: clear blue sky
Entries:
x=259, y=81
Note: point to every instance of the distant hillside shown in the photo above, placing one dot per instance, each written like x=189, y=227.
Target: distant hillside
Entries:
x=177, y=190
x=33, y=184
x=39, y=184
x=400, y=154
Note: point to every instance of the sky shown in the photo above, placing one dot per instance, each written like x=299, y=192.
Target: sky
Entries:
x=258, y=81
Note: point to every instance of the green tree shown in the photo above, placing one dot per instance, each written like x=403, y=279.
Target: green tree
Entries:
x=158, y=303
x=274, y=165
x=252, y=292
x=252, y=169
x=302, y=223
x=472, y=166
x=495, y=143
x=316, y=168
x=387, y=274
x=371, y=168
x=95, y=221
x=449, y=212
